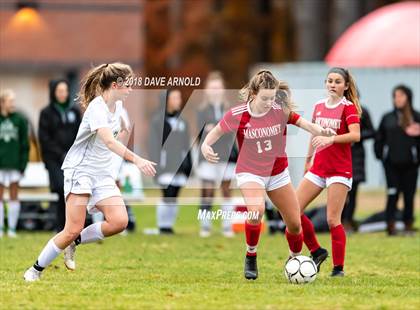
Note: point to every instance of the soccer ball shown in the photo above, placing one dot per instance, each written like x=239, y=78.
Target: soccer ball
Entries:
x=300, y=269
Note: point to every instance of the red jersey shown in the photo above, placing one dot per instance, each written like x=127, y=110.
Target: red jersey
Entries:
x=261, y=138
x=334, y=160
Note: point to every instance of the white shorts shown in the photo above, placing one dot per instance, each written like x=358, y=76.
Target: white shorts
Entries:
x=98, y=187
x=8, y=176
x=216, y=172
x=269, y=183
x=325, y=182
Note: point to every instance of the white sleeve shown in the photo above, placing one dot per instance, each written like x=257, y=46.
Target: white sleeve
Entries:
x=97, y=117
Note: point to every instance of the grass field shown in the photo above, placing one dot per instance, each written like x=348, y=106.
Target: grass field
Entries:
x=187, y=272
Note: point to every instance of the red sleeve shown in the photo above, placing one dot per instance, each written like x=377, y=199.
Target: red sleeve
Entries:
x=293, y=118
x=351, y=114
x=229, y=123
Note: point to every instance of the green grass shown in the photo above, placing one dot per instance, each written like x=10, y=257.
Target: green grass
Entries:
x=186, y=272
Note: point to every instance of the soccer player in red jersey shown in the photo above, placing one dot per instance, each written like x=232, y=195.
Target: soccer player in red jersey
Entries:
x=331, y=165
x=260, y=127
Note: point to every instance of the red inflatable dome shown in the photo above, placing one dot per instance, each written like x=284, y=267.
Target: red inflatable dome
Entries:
x=387, y=37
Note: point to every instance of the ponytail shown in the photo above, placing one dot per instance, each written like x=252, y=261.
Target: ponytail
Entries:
x=264, y=79
x=350, y=93
x=99, y=79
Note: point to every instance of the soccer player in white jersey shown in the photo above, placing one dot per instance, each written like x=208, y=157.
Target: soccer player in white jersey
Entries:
x=260, y=126
x=88, y=179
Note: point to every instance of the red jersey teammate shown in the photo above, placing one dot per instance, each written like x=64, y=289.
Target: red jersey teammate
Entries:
x=260, y=127
x=332, y=164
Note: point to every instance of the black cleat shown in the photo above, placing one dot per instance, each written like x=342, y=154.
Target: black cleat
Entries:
x=337, y=271
x=251, y=269
x=319, y=256
x=166, y=231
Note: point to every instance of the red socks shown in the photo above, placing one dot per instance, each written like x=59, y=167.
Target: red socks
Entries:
x=252, y=233
x=295, y=242
x=309, y=236
x=338, y=241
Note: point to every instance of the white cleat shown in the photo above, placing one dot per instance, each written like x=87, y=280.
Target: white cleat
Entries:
x=11, y=234
x=32, y=275
x=228, y=234
x=69, y=261
x=204, y=233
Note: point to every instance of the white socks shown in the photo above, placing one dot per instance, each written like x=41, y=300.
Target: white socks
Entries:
x=48, y=254
x=228, y=207
x=1, y=216
x=92, y=233
x=166, y=214
x=13, y=214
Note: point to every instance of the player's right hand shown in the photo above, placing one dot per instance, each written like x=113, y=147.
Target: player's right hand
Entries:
x=209, y=154
x=146, y=167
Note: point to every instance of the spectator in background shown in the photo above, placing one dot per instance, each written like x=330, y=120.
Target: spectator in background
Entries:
x=359, y=175
x=214, y=175
x=58, y=126
x=172, y=155
x=397, y=145
x=14, y=152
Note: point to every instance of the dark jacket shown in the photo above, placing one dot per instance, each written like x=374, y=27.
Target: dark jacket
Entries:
x=393, y=145
x=14, y=142
x=57, y=129
x=171, y=155
x=225, y=147
x=357, y=150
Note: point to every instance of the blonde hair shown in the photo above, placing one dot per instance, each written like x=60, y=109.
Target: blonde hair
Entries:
x=350, y=93
x=4, y=95
x=264, y=79
x=100, y=79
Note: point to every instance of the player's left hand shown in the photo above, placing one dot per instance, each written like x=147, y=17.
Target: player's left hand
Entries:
x=146, y=166
x=321, y=141
x=328, y=132
x=413, y=130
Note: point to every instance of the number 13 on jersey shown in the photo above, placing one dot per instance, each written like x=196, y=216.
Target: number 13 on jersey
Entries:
x=267, y=146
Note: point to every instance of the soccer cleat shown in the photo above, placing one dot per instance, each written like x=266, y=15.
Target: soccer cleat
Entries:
x=251, y=268
x=69, y=261
x=11, y=234
x=337, y=272
x=204, y=233
x=32, y=275
x=166, y=231
x=228, y=233
x=319, y=256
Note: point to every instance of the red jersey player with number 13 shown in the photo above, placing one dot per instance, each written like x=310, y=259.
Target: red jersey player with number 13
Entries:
x=260, y=127
x=332, y=164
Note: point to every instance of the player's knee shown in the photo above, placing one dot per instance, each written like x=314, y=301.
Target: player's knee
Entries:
x=120, y=224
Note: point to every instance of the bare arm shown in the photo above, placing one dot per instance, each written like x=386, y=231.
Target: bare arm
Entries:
x=210, y=139
x=314, y=129
x=352, y=136
x=145, y=166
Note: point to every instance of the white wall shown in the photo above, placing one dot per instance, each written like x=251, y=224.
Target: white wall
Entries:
x=375, y=84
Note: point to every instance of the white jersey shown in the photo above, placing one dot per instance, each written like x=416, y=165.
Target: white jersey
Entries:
x=117, y=160
x=89, y=154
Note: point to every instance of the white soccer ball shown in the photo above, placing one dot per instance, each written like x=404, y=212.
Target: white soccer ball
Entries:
x=300, y=269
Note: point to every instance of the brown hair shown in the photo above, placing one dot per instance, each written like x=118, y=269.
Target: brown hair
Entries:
x=100, y=78
x=406, y=117
x=351, y=92
x=264, y=79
